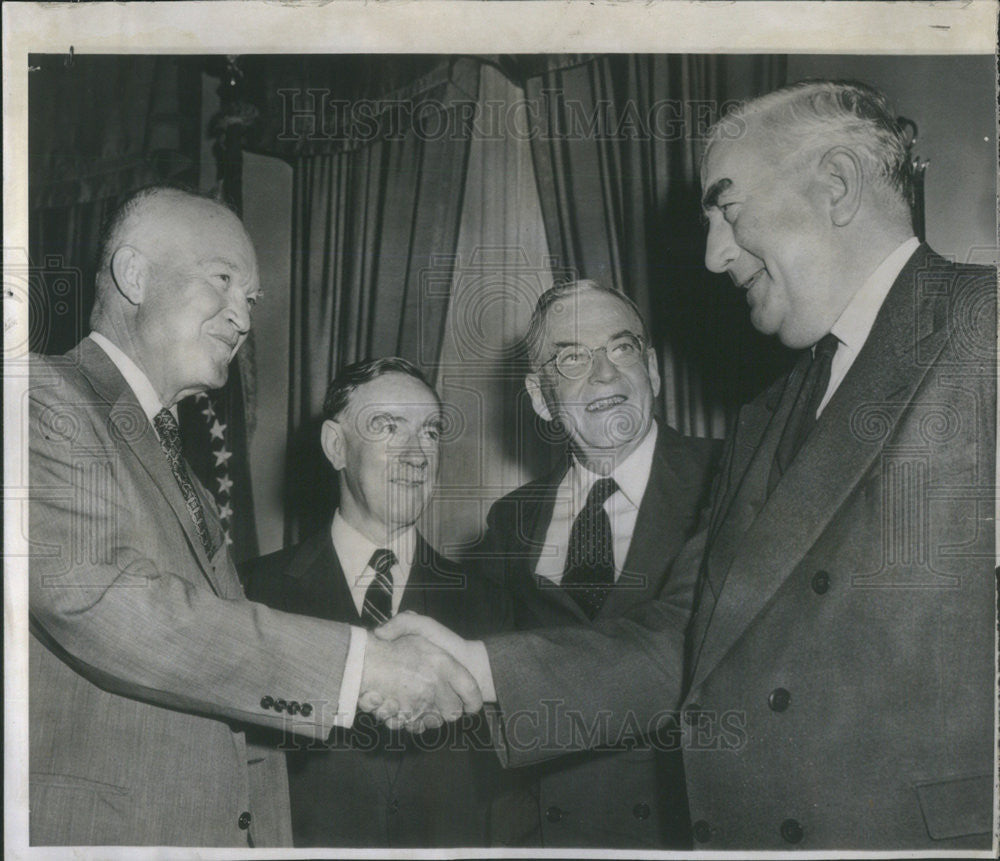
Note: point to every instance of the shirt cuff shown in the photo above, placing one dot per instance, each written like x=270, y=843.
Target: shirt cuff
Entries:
x=350, y=681
x=479, y=667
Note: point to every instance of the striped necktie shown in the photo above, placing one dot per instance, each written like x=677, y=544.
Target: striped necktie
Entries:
x=170, y=441
x=377, y=608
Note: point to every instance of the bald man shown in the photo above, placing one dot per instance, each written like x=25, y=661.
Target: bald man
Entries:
x=146, y=660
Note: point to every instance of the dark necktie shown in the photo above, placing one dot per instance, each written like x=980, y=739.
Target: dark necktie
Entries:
x=803, y=414
x=170, y=441
x=589, y=573
x=377, y=607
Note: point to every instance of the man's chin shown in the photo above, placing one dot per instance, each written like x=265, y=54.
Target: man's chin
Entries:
x=615, y=428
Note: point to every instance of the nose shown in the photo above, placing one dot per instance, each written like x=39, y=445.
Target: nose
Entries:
x=239, y=312
x=602, y=369
x=721, y=249
x=412, y=450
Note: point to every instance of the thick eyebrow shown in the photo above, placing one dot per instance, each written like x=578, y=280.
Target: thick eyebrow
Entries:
x=711, y=197
x=560, y=344
x=385, y=415
x=225, y=261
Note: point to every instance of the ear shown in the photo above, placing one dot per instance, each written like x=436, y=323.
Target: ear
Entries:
x=129, y=269
x=843, y=178
x=533, y=384
x=653, y=369
x=331, y=437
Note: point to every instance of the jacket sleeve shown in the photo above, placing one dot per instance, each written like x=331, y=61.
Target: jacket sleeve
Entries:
x=573, y=688
x=115, y=591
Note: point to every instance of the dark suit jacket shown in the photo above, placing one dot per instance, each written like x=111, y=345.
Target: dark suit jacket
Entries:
x=839, y=684
x=369, y=786
x=627, y=798
x=145, y=660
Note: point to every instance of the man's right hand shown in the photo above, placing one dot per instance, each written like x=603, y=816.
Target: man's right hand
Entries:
x=410, y=683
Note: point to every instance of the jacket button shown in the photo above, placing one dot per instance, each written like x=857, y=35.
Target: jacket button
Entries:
x=821, y=583
x=778, y=700
x=392, y=808
x=641, y=810
x=244, y=820
x=791, y=831
x=266, y=702
x=306, y=709
x=554, y=814
x=294, y=708
x=691, y=714
x=279, y=706
x=701, y=831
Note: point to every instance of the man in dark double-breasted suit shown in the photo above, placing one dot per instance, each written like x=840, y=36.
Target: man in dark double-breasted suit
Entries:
x=368, y=785
x=835, y=679
x=601, y=390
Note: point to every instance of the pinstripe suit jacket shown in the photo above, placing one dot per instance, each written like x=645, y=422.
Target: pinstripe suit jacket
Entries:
x=146, y=660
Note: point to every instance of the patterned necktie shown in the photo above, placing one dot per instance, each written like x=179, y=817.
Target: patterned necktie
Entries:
x=377, y=607
x=803, y=414
x=170, y=441
x=589, y=573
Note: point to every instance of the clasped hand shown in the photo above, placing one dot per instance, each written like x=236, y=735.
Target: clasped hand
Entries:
x=412, y=677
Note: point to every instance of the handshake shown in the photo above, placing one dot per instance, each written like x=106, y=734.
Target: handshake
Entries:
x=418, y=674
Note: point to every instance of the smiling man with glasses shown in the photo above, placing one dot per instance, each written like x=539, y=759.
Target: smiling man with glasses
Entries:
x=587, y=542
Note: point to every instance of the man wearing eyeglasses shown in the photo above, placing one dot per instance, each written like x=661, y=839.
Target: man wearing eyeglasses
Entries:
x=587, y=542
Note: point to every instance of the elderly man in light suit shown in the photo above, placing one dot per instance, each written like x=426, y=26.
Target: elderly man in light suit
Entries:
x=837, y=689
x=146, y=660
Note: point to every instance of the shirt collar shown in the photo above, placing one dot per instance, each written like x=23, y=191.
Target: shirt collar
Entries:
x=631, y=475
x=856, y=321
x=355, y=550
x=137, y=381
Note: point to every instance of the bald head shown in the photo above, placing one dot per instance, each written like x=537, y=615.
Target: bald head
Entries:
x=175, y=288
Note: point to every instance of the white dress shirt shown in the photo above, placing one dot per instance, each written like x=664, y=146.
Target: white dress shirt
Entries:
x=149, y=400
x=137, y=381
x=622, y=507
x=355, y=550
x=855, y=322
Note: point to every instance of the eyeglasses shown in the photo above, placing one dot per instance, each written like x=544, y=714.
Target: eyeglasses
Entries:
x=575, y=360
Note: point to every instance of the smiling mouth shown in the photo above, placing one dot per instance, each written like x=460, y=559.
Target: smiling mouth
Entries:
x=230, y=343
x=602, y=404
x=408, y=480
x=749, y=282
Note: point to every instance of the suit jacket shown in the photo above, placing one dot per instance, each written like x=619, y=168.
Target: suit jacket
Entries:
x=368, y=786
x=839, y=683
x=146, y=661
x=624, y=798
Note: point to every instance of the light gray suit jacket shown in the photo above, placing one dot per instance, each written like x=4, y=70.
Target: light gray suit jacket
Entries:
x=145, y=658
x=838, y=687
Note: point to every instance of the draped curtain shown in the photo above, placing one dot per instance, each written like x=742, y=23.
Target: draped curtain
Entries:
x=494, y=441
x=378, y=183
x=88, y=150
x=616, y=145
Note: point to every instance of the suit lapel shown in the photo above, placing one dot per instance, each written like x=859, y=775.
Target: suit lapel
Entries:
x=421, y=592
x=665, y=504
x=849, y=435
x=320, y=580
x=129, y=426
x=536, y=591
